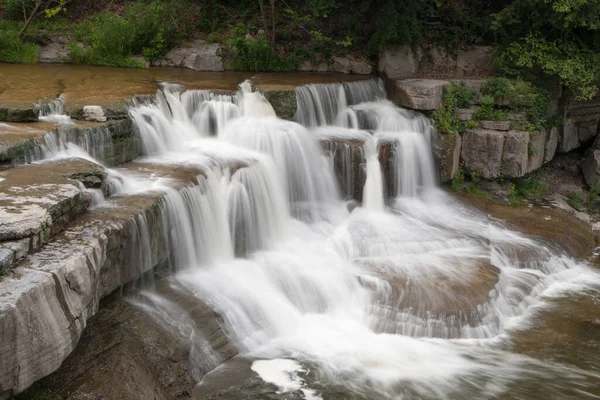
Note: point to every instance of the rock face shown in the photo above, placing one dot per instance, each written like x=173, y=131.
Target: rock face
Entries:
x=515, y=154
x=417, y=94
x=54, y=53
x=351, y=65
x=348, y=165
x=18, y=115
x=581, y=123
x=536, y=150
x=591, y=168
x=131, y=353
x=198, y=55
x=551, y=144
x=402, y=62
x=482, y=152
x=446, y=150
x=283, y=102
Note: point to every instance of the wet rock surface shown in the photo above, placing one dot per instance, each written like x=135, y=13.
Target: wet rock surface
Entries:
x=127, y=352
x=18, y=115
x=283, y=102
x=47, y=298
x=38, y=201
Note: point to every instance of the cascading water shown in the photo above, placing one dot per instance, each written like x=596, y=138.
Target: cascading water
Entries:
x=418, y=296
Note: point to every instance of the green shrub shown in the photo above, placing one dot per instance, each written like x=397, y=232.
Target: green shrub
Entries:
x=458, y=180
x=575, y=200
x=530, y=188
x=486, y=108
x=258, y=54
x=444, y=118
x=14, y=50
x=593, y=200
x=464, y=96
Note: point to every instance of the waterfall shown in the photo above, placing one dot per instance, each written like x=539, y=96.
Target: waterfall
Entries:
x=53, y=111
x=320, y=104
x=411, y=296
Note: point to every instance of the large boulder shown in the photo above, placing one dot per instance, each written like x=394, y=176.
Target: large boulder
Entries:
x=351, y=65
x=482, y=152
x=515, y=154
x=54, y=53
x=591, y=168
x=446, y=150
x=283, y=102
x=198, y=55
x=417, y=94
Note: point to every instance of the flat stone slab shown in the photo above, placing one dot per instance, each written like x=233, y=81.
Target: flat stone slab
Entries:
x=37, y=202
x=496, y=125
x=418, y=94
x=18, y=114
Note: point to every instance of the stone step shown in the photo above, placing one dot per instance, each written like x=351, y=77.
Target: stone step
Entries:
x=47, y=298
x=38, y=201
x=112, y=143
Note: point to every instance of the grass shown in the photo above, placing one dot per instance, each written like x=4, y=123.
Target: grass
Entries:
x=14, y=50
x=575, y=200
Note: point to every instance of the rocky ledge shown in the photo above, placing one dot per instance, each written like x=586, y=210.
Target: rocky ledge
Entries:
x=47, y=296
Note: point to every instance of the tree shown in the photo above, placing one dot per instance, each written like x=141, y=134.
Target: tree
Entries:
x=268, y=25
x=556, y=38
x=48, y=7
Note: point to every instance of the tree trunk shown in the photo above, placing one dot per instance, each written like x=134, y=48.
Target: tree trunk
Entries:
x=273, y=23
x=33, y=14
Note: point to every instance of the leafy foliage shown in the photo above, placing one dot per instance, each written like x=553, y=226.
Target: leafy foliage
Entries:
x=257, y=54
x=14, y=50
x=454, y=96
x=556, y=38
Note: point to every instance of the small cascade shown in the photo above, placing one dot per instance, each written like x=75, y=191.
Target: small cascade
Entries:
x=321, y=104
x=365, y=298
x=53, y=111
x=93, y=143
x=373, y=189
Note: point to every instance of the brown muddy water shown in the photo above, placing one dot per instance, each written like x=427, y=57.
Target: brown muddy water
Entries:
x=22, y=85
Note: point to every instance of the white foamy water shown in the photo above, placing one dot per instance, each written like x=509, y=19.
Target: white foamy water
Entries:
x=284, y=374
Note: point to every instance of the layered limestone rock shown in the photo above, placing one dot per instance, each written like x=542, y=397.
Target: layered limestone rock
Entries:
x=38, y=201
x=198, y=55
x=581, y=123
x=347, y=64
x=47, y=298
x=130, y=350
x=417, y=94
x=404, y=62
x=446, y=150
x=591, y=167
x=481, y=152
